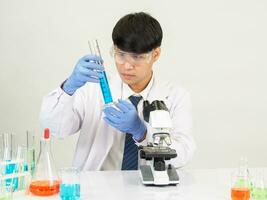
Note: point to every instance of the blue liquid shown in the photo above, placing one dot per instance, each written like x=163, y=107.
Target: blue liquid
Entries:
x=10, y=169
x=25, y=167
x=70, y=191
x=105, y=89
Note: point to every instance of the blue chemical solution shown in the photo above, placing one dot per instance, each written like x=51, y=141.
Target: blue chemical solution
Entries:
x=70, y=191
x=10, y=169
x=105, y=89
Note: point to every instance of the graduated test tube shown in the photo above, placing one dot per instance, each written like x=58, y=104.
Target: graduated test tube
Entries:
x=94, y=49
x=30, y=143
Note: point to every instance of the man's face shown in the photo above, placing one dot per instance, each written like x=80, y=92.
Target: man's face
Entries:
x=135, y=69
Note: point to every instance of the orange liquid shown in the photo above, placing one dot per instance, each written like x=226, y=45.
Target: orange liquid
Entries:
x=44, y=188
x=240, y=194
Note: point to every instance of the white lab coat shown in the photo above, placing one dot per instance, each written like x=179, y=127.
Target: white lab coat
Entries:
x=100, y=146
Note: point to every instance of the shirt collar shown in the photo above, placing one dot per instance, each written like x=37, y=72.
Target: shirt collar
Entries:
x=127, y=91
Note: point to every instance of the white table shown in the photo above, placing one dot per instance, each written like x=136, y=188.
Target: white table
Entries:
x=213, y=184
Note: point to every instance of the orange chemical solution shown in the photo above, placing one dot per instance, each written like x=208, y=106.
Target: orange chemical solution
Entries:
x=240, y=193
x=44, y=188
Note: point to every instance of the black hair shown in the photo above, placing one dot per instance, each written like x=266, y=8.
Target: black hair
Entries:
x=137, y=33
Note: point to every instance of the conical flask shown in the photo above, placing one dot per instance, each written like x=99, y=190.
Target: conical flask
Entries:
x=241, y=185
x=45, y=181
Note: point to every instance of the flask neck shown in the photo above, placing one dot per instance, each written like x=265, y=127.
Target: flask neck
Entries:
x=45, y=145
x=243, y=167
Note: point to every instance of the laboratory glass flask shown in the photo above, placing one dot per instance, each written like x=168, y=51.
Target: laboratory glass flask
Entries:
x=45, y=181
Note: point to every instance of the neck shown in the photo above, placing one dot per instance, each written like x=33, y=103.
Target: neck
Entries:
x=139, y=87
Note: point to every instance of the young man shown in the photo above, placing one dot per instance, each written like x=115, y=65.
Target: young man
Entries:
x=109, y=136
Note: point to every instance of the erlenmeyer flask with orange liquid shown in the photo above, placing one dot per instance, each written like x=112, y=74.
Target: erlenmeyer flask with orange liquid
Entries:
x=45, y=181
x=241, y=184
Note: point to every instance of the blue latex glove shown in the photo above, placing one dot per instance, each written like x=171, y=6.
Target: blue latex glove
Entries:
x=86, y=70
x=125, y=118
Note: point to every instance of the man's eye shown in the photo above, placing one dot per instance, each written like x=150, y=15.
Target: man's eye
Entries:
x=121, y=54
x=138, y=57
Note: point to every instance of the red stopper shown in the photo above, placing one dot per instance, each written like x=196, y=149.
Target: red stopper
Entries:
x=46, y=133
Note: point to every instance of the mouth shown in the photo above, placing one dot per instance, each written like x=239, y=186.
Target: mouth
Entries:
x=127, y=76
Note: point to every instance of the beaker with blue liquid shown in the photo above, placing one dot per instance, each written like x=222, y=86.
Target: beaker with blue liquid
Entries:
x=8, y=162
x=69, y=183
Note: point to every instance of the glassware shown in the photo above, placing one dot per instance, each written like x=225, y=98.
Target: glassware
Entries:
x=6, y=192
x=45, y=181
x=94, y=49
x=1, y=147
x=70, y=184
x=30, y=143
x=258, y=186
x=8, y=146
x=22, y=168
x=240, y=183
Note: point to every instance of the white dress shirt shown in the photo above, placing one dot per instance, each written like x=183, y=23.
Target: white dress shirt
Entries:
x=100, y=146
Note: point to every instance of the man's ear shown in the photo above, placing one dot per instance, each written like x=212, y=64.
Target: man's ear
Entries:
x=156, y=54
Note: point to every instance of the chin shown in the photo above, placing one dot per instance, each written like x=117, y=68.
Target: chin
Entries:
x=129, y=82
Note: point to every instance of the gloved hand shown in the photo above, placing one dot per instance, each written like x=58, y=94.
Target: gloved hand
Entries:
x=125, y=118
x=86, y=70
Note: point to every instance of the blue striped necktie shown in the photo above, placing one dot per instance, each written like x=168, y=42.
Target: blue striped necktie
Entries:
x=130, y=155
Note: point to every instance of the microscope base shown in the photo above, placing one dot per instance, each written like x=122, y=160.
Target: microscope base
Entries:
x=160, y=178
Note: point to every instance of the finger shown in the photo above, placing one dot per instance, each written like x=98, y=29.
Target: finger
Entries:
x=114, y=119
x=90, y=73
x=122, y=107
x=93, y=80
x=86, y=78
x=110, y=122
x=113, y=111
x=92, y=57
x=127, y=104
x=92, y=66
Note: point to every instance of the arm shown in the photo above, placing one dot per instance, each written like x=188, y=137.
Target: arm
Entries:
x=181, y=135
x=61, y=113
x=63, y=109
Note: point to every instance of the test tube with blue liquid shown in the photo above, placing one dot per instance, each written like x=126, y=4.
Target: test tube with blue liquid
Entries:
x=94, y=48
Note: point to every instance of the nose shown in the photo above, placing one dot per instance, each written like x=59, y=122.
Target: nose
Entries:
x=128, y=66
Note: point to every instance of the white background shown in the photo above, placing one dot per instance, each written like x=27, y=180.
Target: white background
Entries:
x=215, y=49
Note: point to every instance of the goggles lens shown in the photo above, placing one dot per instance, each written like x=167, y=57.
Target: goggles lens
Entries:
x=121, y=57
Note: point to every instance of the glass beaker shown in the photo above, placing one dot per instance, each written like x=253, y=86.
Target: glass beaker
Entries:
x=70, y=183
x=8, y=160
x=6, y=192
x=45, y=180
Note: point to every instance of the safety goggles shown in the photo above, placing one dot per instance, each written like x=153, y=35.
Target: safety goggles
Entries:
x=121, y=57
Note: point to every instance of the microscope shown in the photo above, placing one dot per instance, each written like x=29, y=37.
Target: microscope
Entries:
x=157, y=172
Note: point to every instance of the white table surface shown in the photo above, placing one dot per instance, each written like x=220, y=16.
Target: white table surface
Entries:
x=207, y=184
